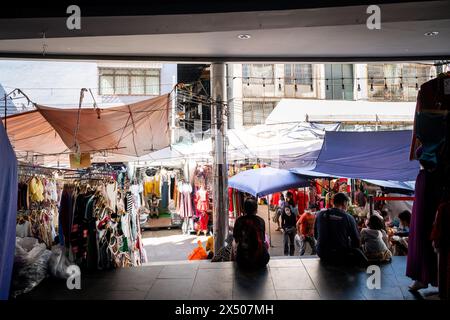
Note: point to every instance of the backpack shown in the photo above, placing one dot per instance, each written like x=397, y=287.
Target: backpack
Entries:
x=251, y=249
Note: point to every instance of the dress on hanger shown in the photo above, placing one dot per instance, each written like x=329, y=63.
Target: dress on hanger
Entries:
x=36, y=190
x=202, y=200
x=157, y=186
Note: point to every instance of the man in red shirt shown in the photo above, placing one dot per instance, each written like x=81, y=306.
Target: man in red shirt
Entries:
x=305, y=231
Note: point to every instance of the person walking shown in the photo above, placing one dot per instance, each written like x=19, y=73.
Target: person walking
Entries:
x=288, y=224
x=305, y=231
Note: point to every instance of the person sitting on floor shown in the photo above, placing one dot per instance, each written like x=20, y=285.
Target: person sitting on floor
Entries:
x=400, y=237
x=249, y=236
x=405, y=220
x=154, y=207
x=337, y=235
x=374, y=240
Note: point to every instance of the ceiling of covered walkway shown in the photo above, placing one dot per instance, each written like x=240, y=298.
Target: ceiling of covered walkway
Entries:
x=328, y=31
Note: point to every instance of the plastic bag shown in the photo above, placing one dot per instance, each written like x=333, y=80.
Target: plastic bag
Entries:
x=198, y=253
x=30, y=265
x=58, y=263
x=28, y=250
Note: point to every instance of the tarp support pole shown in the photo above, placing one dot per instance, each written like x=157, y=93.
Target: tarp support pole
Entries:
x=371, y=205
x=268, y=222
x=6, y=108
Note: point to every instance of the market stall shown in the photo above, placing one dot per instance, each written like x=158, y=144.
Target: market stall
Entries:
x=89, y=215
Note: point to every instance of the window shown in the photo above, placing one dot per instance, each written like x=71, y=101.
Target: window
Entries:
x=339, y=81
x=401, y=81
x=298, y=74
x=256, y=112
x=129, y=81
x=257, y=73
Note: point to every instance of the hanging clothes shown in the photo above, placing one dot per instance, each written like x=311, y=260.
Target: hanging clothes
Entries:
x=157, y=186
x=203, y=221
x=165, y=194
x=79, y=231
x=202, y=200
x=22, y=197
x=172, y=187
x=230, y=200
x=36, y=189
x=66, y=212
x=302, y=202
x=275, y=199
x=185, y=206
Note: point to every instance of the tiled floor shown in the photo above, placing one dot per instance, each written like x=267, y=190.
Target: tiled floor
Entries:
x=284, y=279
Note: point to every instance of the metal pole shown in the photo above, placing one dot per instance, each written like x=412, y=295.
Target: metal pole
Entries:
x=174, y=83
x=268, y=222
x=218, y=127
x=6, y=107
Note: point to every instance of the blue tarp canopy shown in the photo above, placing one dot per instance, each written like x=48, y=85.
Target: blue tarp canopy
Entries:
x=375, y=155
x=264, y=181
x=404, y=185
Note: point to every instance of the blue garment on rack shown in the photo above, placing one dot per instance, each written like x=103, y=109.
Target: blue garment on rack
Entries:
x=60, y=232
x=430, y=130
x=165, y=195
x=8, y=211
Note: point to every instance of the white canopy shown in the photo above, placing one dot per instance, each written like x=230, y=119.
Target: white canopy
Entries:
x=269, y=143
x=308, y=110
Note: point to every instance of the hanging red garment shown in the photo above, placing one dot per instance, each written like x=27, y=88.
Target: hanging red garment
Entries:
x=302, y=202
x=204, y=218
x=275, y=199
x=230, y=200
x=318, y=187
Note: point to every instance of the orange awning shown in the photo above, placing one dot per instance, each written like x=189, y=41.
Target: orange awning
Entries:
x=131, y=130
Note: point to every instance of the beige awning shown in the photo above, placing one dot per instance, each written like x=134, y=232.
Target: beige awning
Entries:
x=130, y=130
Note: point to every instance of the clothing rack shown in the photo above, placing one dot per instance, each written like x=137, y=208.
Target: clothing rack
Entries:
x=90, y=174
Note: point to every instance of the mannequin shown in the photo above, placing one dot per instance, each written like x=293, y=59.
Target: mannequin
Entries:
x=202, y=208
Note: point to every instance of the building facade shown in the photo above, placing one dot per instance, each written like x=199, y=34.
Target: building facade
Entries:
x=58, y=83
x=255, y=89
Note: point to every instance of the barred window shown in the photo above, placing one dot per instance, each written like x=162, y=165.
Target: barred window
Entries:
x=397, y=82
x=298, y=73
x=256, y=112
x=129, y=81
x=257, y=73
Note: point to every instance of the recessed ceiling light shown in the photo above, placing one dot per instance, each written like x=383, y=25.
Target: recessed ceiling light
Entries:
x=431, y=33
x=244, y=36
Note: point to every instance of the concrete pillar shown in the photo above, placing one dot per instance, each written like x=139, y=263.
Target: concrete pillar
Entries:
x=218, y=128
